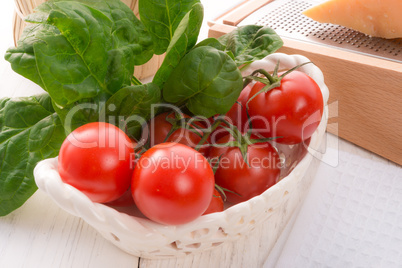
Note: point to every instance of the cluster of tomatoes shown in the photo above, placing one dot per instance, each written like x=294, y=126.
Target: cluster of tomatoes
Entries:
x=189, y=166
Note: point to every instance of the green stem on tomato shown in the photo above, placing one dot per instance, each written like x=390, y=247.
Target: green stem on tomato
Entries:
x=175, y=123
x=207, y=134
x=222, y=190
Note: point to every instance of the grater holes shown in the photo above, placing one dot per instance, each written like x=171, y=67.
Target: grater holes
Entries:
x=287, y=17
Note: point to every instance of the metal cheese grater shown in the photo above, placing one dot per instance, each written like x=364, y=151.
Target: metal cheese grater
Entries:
x=286, y=18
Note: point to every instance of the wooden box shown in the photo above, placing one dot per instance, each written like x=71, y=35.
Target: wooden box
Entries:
x=365, y=91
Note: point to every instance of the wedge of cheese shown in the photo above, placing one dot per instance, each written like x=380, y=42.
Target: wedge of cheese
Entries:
x=379, y=18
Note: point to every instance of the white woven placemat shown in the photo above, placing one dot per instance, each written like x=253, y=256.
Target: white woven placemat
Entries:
x=352, y=217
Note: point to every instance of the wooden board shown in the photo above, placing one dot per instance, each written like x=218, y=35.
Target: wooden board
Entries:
x=241, y=12
x=365, y=94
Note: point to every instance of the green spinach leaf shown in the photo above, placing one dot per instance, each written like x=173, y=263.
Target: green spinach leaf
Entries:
x=162, y=17
x=90, y=51
x=127, y=30
x=131, y=107
x=206, y=80
x=30, y=131
x=212, y=42
x=184, y=38
x=81, y=112
x=251, y=42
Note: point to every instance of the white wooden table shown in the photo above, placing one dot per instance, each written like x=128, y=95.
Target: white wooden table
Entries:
x=40, y=234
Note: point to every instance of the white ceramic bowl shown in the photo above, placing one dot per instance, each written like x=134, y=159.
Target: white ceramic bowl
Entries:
x=144, y=238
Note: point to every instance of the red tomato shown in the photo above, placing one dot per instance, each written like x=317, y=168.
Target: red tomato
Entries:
x=172, y=184
x=245, y=180
x=159, y=129
x=96, y=159
x=216, y=204
x=291, y=111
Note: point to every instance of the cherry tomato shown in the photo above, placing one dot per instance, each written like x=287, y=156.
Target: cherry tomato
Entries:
x=216, y=204
x=160, y=128
x=172, y=184
x=242, y=180
x=291, y=111
x=96, y=159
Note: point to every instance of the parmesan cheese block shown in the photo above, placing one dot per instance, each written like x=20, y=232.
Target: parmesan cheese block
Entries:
x=379, y=18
